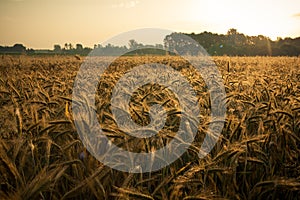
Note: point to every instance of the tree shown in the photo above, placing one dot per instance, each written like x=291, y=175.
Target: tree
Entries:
x=133, y=44
x=70, y=46
x=79, y=47
x=19, y=48
x=232, y=31
x=159, y=46
x=57, y=48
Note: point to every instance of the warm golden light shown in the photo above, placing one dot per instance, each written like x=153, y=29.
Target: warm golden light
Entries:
x=40, y=24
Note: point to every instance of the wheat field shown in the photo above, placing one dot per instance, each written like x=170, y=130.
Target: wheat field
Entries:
x=256, y=157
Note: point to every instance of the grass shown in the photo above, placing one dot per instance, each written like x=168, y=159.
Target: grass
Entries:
x=256, y=156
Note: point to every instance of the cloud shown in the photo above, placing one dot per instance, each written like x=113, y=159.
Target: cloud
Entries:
x=296, y=15
x=126, y=4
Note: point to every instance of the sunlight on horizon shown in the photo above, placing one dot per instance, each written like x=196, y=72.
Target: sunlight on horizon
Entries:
x=41, y=24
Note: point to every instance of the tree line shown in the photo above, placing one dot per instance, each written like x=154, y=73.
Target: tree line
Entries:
x=238, y=44
x=231, y=44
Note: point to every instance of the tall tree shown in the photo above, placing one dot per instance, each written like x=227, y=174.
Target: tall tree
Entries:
x=79, y=47
x=57, y=48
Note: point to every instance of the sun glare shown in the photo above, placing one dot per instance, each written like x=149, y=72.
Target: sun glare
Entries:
x=266, y=19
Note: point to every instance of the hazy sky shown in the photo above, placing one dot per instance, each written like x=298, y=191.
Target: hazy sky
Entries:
x=43, y=23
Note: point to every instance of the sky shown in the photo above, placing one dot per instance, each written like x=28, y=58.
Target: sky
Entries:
x=40, y=24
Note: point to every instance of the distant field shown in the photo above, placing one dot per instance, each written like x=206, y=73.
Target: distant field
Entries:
x=257, y=155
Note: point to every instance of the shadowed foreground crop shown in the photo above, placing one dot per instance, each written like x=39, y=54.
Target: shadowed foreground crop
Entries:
x=256, y=157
